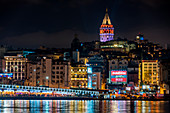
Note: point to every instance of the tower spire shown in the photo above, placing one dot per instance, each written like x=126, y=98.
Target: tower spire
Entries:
x=106, y=29
x=106, y=10
x=106, y=20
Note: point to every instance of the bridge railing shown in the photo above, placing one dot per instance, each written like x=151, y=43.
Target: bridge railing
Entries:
x=4, y=86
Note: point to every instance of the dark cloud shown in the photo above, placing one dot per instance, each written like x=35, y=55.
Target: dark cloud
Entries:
x=151, y=3
x=78, y=3
x=23, y=1
x=56, y=39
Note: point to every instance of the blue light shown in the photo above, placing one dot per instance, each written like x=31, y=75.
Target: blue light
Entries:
x=89, y=70
x=107, y=34
x=89, y=81
x=6, y=74
x=87, y=64
x=141, y=38
x=119, y=92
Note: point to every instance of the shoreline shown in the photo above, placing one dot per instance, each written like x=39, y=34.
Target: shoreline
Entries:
x=72, y=98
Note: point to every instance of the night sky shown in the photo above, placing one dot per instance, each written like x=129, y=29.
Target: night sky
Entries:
x=53, y=23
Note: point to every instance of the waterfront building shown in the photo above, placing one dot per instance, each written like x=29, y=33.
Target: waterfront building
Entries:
x=149, y=72
x=94, y=80
x=133, y=69
x=117, y=79
x=98, y=64
x=48, y=72
x=15, y=63
x=117, y=65
x=79, y=76
x=106, y=29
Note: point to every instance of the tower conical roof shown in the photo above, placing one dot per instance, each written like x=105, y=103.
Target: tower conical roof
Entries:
x=106, y=20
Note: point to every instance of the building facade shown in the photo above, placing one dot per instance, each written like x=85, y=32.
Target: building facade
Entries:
x=16, y=64
x=133, y=74
x=94, y=80
x=120, y=64
x=119, y=45
x=98, y=64
x=49, y=72
x=149, y=72
x=79, y=76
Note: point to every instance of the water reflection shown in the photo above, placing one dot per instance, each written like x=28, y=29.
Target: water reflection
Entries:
x=83, y=106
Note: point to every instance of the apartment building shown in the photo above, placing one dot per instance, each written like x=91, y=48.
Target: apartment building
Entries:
x=49, y=72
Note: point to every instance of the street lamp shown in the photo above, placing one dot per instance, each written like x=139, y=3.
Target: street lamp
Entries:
x=48, y=80
x=47, y=77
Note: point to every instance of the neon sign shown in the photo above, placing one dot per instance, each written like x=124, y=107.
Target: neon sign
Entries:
x=118, y=72
x=118, y=77
x=89, y=70
x=6, y=74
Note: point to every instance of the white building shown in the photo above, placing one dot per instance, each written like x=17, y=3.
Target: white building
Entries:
x=16, y=64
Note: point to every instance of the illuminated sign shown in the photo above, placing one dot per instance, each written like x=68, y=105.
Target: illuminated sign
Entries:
x=118, y=72
x=145, y=86
x=89, y=81
x=6, y=74
x=128, y=88
x=118, y=77
x=89, y=70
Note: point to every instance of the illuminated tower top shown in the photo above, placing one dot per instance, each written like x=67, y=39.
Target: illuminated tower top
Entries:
x=106, y=29
x=106, y=20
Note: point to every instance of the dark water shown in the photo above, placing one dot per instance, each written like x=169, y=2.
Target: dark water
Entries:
x=83, y=106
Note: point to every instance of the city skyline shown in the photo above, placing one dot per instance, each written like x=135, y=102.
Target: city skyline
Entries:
x=84, y=56
x=32, y=23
